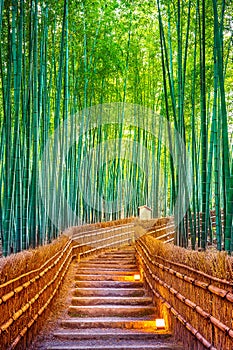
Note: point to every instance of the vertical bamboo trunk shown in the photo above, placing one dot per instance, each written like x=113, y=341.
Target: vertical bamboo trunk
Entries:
x=203, y=126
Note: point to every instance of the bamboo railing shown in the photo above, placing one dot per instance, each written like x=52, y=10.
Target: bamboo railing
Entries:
x=104, y=238
x=25, y=299
x=164, y=232
x=202, y=305
x=198, y=306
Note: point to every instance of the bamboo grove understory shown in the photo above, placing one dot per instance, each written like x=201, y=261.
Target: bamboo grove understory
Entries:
x=109, y=105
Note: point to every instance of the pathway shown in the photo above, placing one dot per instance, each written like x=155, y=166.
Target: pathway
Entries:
x=109, y=309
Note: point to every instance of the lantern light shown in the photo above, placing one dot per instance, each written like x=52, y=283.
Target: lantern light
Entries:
x=137, y=277
x=160, y=323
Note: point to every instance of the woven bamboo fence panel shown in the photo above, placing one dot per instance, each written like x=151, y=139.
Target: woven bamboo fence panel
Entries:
x=201, y=305
x=100, y=239
x=25, y=299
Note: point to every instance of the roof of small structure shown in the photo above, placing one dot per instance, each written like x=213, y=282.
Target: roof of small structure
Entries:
x=145, y=206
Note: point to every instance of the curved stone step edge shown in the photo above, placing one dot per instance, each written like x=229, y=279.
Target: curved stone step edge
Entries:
x=106, y=300
x=138, y=323
x=111, y=311
x=110, y=334
x=116, y=347
x=108, y=284
x=129, y=292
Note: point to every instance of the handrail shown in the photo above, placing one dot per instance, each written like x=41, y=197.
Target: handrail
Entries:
x=27, y=274
x=191, y=269
x=104, y=239
x=100, y=230
x=166, y=235
x=164, y=227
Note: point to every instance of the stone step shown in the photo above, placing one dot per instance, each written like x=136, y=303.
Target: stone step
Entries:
x=145, y=322
x=118, y=252
x=99, y=261
x=114, y=257
x=121, y=292
x=108, y=265
x=111, y=310
x=104, y=277
x=100, y=333
x=107, y=284
x=105, y=271
x=111, y=301
x=125, y=254
x=120, y=345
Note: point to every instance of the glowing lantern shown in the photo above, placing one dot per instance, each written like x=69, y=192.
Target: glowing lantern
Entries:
x=137, y=277
x=160, y=323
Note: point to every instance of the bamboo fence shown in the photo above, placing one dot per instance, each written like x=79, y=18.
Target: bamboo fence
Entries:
x=200, y=305
x=25, y=299
x=195, y=304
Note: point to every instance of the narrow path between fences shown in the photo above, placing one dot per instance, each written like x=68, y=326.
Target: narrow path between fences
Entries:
x=110, y=308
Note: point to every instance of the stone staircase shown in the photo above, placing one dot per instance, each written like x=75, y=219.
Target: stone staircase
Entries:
x=109, y=309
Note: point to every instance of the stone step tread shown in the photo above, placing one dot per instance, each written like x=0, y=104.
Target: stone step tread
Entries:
x=150, y=345
x=126, y=253
x=108, y=268
x=107, y=271
x=130, y=292
x=100, y=332
x=109, y=261
x=113, y=267
x=147, y=321
x=119, y=252
x=104, y=284
x=104, y=278
x=111, y=311
x=114, y=258
x=114, y=307
x=121, y=267
x=129, y=253
x=111, y=258
x=105, y=300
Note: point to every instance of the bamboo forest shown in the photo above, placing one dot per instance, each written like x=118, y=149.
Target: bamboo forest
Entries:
x=106, y=106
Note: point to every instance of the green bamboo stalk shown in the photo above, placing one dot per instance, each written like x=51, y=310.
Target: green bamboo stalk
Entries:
x=203, y=126
x=225, y=145
x=33, y=240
